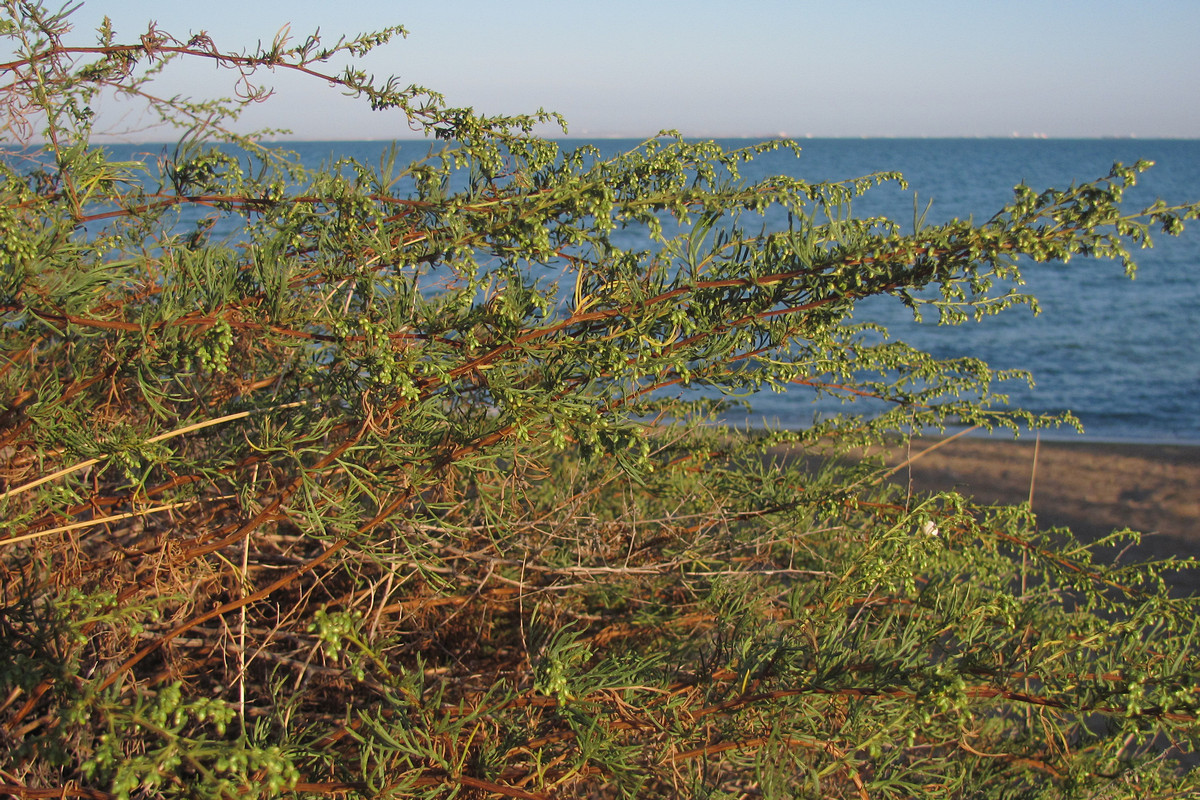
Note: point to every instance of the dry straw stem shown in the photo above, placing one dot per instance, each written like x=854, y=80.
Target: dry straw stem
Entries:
x=923, y=453
x=104, y=520
x=159, y=438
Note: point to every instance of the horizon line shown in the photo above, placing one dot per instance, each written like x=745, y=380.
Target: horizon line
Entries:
x=778, y=136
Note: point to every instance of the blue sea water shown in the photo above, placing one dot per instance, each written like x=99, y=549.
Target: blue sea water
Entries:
x=1123, y=355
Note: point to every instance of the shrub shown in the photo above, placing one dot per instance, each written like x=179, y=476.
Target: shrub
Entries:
x=393, y=480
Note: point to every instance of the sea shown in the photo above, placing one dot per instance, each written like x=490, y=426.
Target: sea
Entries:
x=1122, y=355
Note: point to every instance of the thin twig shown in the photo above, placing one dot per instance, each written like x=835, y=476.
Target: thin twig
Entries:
x=1037, y=444
x=923, y=453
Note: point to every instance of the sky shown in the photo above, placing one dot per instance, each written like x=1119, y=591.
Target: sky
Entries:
x=906, y=68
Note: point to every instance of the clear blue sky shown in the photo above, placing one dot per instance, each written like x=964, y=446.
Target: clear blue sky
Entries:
x=1063, y=68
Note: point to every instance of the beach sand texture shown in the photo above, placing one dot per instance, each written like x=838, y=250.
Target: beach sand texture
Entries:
x=1092, y=488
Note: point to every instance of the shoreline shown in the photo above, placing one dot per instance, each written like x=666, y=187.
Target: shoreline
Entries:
x=1063, y=435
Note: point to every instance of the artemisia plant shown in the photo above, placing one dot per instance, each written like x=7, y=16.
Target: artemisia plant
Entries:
x=408, y=478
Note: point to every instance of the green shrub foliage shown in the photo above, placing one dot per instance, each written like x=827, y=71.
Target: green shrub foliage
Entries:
x=401, y=486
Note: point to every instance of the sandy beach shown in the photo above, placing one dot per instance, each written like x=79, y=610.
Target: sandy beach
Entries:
x=1093, y=488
